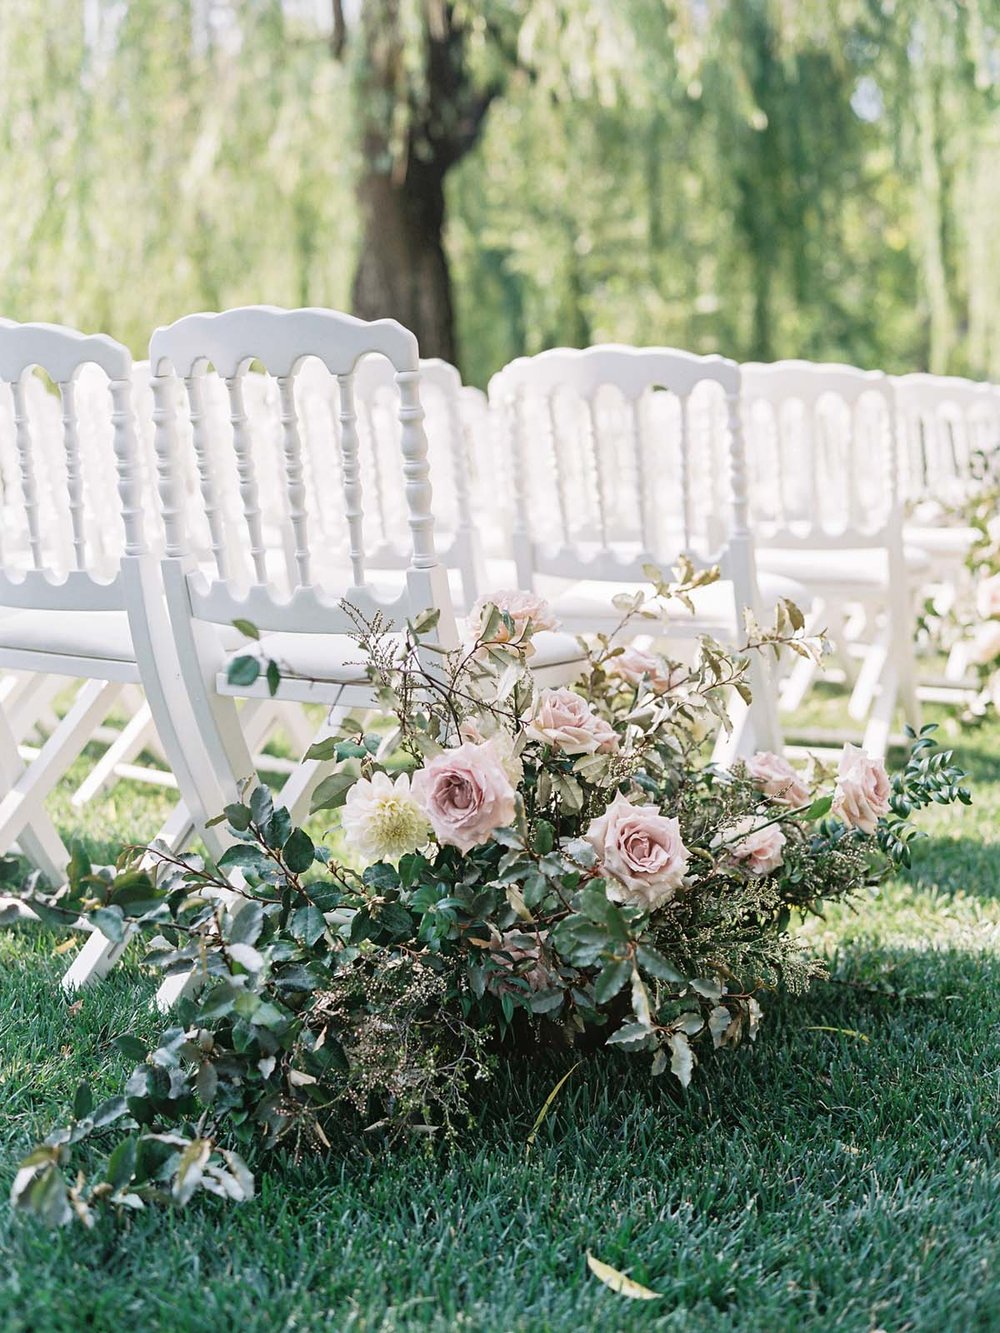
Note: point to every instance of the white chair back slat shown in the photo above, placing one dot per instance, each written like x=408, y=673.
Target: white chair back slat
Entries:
x=350, y=445
x=595, y=462
x=126, y=458
x=249, y=493
x=294, y=473
x=26, y=460
x=211, y=500
x=637, y=440
x=949, y=435
x=685, y=444
x=168, y=467
x=74, y=470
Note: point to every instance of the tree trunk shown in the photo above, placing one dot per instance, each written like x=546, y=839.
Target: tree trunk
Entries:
x=402, y=269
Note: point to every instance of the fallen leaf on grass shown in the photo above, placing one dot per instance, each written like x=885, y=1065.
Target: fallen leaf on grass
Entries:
x=618, y=1282
x=545, y=1107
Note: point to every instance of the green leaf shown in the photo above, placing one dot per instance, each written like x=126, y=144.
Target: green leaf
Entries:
x=653, y=962
x=544, y=837
x=307, y=925
x=819, y=808
x=110, y=921
x=121, y=1165
x=110, y=1111
x=243, y=671
x=132, y=1047
x=83, y=1102
x=298, y=851
x=247, y=923
x=332, y=792
x=206, y=1082
x=261, y=805
x=324, y=749
x=611, y=980
x=238, y=816
x=242, y=856
x=273, y=677
x=628, y=1034
x=247, y=628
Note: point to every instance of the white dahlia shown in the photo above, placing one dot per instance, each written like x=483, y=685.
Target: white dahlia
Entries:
x=381, y=820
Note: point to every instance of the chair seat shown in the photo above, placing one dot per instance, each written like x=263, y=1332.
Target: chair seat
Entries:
x=942, y=541
x=99, y=635
x=826, y=567
x=315, y=667
x=589, y=601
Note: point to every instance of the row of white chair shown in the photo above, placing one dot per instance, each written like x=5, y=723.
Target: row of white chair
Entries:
x=226, y=493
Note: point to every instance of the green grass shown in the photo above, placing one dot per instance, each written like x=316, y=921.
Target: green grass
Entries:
x=817, y=1181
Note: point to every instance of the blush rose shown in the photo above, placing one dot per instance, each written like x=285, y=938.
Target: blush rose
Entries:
x=635, y=665
x=466, y=794
x=642, y=852
x=773, y=775
x=568, y=723
x=759, y=848
x=862, y=793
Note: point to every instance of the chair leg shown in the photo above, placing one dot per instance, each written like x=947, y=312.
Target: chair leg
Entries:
x=877, y=732
x=872, y=669
x=134, y=738
x=22, y=802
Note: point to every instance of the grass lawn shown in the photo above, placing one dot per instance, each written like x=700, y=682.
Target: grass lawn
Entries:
x=822, y=1180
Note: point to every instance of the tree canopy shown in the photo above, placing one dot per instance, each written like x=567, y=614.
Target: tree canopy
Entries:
x=761, y=177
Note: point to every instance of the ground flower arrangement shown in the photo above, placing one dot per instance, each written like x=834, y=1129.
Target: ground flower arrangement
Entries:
x=518, y=868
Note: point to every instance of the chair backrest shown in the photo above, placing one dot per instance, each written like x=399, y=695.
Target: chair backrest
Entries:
x=949, y=435
x=621, y=456
x=242, y=581
x=71, y=510
x=821, y=454
x=451, y=472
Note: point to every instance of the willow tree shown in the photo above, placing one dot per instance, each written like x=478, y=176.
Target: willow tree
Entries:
x=425, y=74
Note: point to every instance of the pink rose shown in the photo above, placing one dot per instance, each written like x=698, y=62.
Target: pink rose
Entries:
x=862, y=794
x=988, y=597
x=759, y=850
x=564, y=720
x=635, y=666
x=642, y=851
x=529, y=612
x=774, y=776
x=466, y=794
x=985, y=645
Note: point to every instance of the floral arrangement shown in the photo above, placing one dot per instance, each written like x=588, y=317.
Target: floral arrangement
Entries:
x=515, y=869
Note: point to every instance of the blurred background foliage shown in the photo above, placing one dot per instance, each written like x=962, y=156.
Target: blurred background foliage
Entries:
x=765, y=178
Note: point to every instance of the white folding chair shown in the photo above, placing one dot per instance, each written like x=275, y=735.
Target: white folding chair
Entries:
x=949, y=435
x=825, y=507
x=139, y=732
x=624, y=456
x=82, y=608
